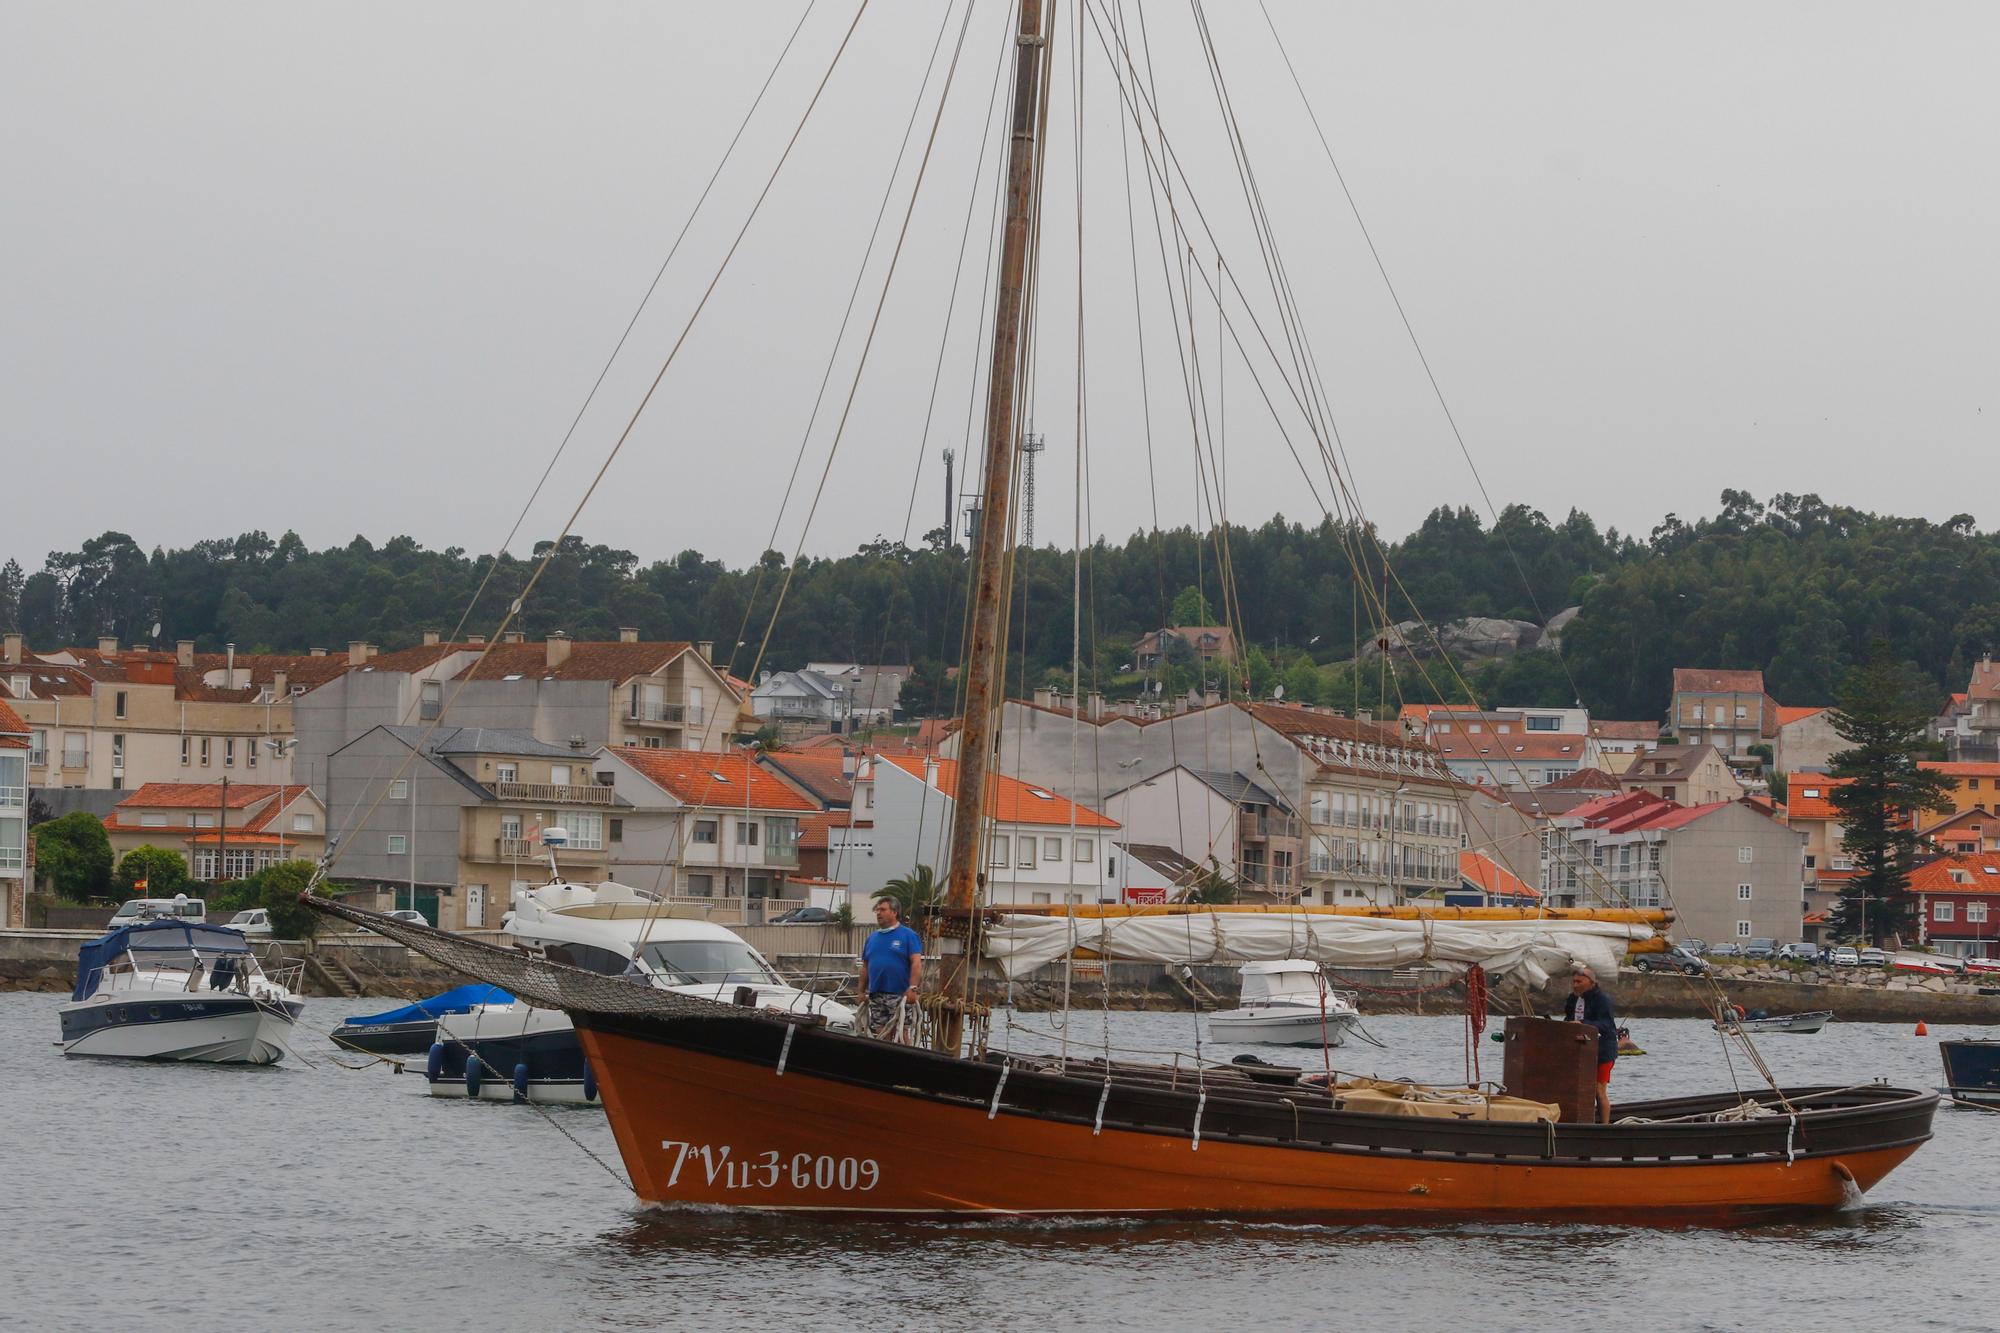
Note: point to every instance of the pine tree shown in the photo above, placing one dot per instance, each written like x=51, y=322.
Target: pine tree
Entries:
x=1883, y=706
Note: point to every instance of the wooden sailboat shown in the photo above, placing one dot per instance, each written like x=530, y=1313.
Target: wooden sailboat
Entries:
x=721, y=1105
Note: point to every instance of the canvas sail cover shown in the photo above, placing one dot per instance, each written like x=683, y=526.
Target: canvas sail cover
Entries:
x=1533, y=950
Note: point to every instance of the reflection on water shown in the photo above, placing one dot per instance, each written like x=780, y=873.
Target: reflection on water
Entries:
x=377, y=1207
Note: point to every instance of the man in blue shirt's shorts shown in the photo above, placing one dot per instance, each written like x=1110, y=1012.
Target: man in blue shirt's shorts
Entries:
x=892, y=967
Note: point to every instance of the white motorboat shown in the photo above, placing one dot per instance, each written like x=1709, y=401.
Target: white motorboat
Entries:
x=1758, y=1021
x=179, y=990
x=516, y=1052
x=1286, y=1003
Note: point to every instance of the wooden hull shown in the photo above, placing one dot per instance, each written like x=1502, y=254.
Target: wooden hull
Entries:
x=702, y=1126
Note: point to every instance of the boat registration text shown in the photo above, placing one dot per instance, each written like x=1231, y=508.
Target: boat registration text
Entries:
x=770, y=1170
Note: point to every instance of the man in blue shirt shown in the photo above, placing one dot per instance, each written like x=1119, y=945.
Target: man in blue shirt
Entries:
x=892, y=968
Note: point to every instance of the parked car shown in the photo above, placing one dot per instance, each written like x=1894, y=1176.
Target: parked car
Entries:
x=1695, y=946
x=1726, y=949
x=1844, y=955
x=1873, y=957
x=1761, y=947
x=804, y=916
x=1800, y=953
x=135, y=910
x=1677, y=959
x=254, y=922
x=415, y=918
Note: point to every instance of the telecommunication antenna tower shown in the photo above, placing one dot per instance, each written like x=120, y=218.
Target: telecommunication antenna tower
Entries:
x=1031, y=444
x=950, y=495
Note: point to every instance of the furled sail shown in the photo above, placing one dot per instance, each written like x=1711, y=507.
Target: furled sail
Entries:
x=1532, y=950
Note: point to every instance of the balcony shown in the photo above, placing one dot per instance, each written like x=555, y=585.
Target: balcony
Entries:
x=533, y=849
x=554, y=793
x=662, y=713
x=1252, y=827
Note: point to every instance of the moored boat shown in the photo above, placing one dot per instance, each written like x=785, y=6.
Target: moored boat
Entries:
x=178, y=990
x=411, y=1029
x=1286, y=1003
x=1797, y=1024
x=1972, y=1070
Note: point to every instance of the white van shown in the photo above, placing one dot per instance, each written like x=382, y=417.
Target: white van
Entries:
x=252, y=921
x=180, y=905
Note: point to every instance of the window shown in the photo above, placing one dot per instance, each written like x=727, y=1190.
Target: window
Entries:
x=1316, y=807
x=118, y=752
x=250, y=752
x=1668, y=792
x=430, y=704
x=506, y=773
x=152, y=820
x=1742, y=930
x=399, y=790
x=1027, y=852
x=559, y=775
x=1943, y=911
x=704, y=831
x=1812, y=861
x=701, y=886
x=586, y=831
x=398, y=844
x=1001, y=850
x=76, y=750
x=204, y=821
x=617, y=830
x=1741, y=712
x=1052, y=849
x=204, y=751
x=229, y=752
x=746, y=833
x=510, y=827
x=1543, y=723
x=1086, y=849
x=1743, y=893
x=1975, y=913
x=1744, y=854
x=302, y=823
x=118, y=705
x=184, y=752
x=1697, y=713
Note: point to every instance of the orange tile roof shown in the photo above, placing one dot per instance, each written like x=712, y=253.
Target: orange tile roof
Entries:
x=1935, y=876
x=1803, y=804
x=615, y=662
x=11, y=723
x=1787, y=716
x=813, y=829
x=247, y=838
x=1008, y=800
x=700, y=777
x=200, y=795
x=1490, y=877
x=1291, y=720
x=824, y=776
x=1525, y=745
x=1952, y=770
x=1706, y=680
x=1611, y=729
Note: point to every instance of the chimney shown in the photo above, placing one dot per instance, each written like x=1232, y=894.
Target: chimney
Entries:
x=373, y=649
x=626, y=634
x=1211, y=698
x=281, y=685
x=430, y=638
x=558, y=648
x=13, y=649
x=476, y=640
x=357, y=652
x=107, y=644
x=513, y=636
x=229, y=667
x=1095, y=704
x=184, y=652
x=1045, y=697
x=706, y=647
x=315, y=652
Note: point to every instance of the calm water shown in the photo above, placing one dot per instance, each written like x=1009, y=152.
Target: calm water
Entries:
x=315, y=1198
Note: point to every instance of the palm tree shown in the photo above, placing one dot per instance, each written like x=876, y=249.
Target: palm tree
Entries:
x=915, y=893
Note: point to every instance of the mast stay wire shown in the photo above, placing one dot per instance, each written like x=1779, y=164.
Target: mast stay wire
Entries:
x=335, y=850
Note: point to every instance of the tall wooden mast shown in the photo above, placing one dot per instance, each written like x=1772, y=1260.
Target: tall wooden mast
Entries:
x=982, y=655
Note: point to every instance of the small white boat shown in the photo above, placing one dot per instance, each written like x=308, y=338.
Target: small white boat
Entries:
x=179, y=990
x=1286, y=1003
x=1798, y=1023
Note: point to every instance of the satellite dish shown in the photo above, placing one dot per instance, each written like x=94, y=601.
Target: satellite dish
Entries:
x=1278, y=693
x=156, y=631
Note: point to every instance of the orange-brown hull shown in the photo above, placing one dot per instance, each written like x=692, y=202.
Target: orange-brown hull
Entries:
x=704, y=1129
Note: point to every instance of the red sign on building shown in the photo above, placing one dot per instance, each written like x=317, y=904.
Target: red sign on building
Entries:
x=1144, y=896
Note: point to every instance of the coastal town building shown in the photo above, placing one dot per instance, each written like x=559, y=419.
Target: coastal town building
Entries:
x=1618, y=741
x=224, y=830
x=1977, y=738
x=1806, y=741
x=797, y=702
x=1689, y=774
x=1965, y=831
x=1958, y=904
x=448, y=820
x=1974, y=786
x=1217, y=820
x=710, y=828
x=114, y=719
x=1726, y=709
x=1203, y=643
x=1825, y=867
x=872, y=694
x=14, y=867
x=1039, y=847
x=1729, y=870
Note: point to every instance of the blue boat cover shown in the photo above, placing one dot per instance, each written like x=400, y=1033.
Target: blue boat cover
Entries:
x=456, y=1001
x=149, y=936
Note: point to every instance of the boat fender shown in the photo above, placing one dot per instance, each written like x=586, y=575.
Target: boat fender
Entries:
x=589, y=1082
x=1759, y=1013
x=472, y=1063
x=1739, y=1011
x=434, y=1061
x=521, y=1082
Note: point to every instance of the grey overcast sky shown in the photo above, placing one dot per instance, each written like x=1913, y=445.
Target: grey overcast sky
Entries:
x=352, y=268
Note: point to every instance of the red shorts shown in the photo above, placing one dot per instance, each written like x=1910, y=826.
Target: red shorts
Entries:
x=1604, y=1071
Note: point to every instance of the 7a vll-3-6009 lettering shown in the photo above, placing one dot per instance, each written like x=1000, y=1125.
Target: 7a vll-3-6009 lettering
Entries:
x=769, y=1170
